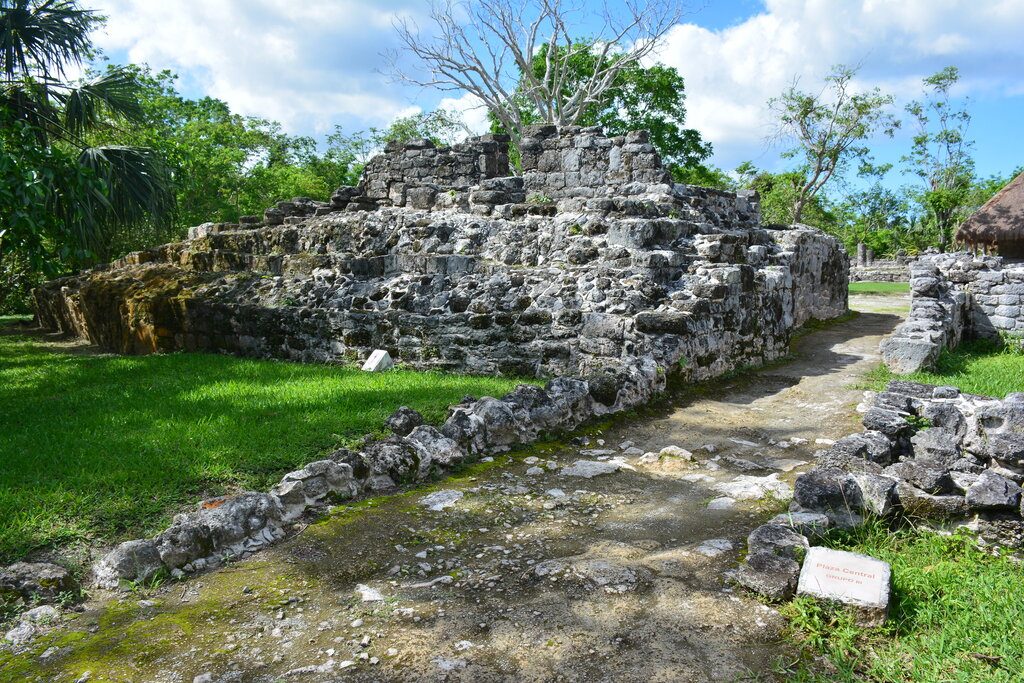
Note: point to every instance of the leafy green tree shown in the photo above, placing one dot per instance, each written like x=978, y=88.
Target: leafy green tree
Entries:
x=63, y=198
x=637, y=98
x=940, y=153
x=828, y=131
x=226, y=165
x=778, y=193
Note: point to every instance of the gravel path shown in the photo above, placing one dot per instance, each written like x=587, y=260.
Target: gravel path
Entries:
x=602, y=560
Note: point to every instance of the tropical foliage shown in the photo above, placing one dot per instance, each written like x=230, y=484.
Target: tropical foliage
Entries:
x=62, y=196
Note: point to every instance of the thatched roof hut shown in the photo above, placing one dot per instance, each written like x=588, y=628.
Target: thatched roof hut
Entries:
x=998, y=226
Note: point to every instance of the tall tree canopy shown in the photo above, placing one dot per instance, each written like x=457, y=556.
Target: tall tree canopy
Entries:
x=638, y=98
x=940, y=153
x=60, y=194
x=488, y=47
x=828, y=130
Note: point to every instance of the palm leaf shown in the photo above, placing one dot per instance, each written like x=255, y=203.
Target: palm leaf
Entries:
x=114, y=93
x=42, y=37
x=133, y=187
x=28, y=101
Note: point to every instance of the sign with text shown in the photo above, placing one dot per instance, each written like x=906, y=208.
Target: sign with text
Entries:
x=846, y=577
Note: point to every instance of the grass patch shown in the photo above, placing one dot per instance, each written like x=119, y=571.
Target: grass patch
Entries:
x=879, y=288
x=102, y=448
x=978, y=366
x=956, y=615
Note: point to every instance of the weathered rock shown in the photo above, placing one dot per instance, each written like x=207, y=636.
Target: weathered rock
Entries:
x=31, y=580
x=221, y=526
x=993, y=492
x=769, y=575
x=403, y=421
x=130, y=561
x=888, y=422
x=810, y=524
x=927, y=475
x=779, y=539
x=870, y=445
x=828, y=490
x=588, y=469
x=439, y=500
x=748, y=487
x=436, y=448
x=937, y=444
x=919, y=504
x=878, y=493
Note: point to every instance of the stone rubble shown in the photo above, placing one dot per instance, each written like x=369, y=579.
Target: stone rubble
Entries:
x=929, y=453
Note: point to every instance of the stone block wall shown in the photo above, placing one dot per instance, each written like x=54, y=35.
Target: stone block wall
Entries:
x=955, y=296
x=415, y=172
x=880, y=270
x=611, y=286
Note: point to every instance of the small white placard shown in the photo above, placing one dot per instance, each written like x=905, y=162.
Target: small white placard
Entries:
x=379, y=361
x=845, y=577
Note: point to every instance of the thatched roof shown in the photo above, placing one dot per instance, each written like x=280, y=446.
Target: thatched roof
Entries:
x=1000, y=220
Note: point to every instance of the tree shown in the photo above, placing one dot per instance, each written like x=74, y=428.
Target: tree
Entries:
x=226, y=165
x=649, y=98
x=487, y=48
x=778, y=193
x=940, y=153
x=828, y=130
x=63, y=197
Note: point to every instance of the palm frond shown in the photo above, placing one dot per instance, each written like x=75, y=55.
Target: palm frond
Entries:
x=134, y=187
x=28, y=101
x=114, y=93
x=42, y=37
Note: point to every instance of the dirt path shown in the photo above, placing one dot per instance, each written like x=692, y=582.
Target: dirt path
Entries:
x=532, y=574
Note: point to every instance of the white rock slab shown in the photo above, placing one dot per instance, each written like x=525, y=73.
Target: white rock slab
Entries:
x=747, y=487
x=369, y=594
x=713, y=547
x=849, y=578
x=439, y=500
x=379, y=361
x=723, y=503
x=588, y=469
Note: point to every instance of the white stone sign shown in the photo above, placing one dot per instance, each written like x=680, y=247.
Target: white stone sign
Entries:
x=379, y=361
x=849, y=578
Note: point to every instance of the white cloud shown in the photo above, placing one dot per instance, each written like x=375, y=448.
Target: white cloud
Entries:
x=306, y=64
x=471, y=109
x=731, y=73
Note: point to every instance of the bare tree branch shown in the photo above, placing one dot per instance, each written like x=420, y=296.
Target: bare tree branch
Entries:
x=488, y=48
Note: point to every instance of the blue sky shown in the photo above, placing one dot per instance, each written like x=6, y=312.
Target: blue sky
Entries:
x=312, y=65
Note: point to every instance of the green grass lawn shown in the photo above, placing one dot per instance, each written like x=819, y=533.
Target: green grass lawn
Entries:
x=879, y=287
x=976, y=367
x=102, y=448
x=956, y=615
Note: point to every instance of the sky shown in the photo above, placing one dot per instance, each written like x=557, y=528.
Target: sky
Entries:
x=316, y=64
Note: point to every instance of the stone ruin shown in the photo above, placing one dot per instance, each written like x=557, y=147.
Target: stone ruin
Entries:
x=956, y=296
x=926, y=453
x=590, y=267
x=590, y=263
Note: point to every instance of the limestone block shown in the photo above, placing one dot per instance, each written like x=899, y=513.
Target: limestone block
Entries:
x=379, y=361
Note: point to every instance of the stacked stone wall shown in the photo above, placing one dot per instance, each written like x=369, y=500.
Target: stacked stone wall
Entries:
x=954, y=297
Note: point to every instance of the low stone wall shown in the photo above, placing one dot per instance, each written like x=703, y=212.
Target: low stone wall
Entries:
x=233, y=527
x=880, y=271
x=953, y=297
x=927, y=453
